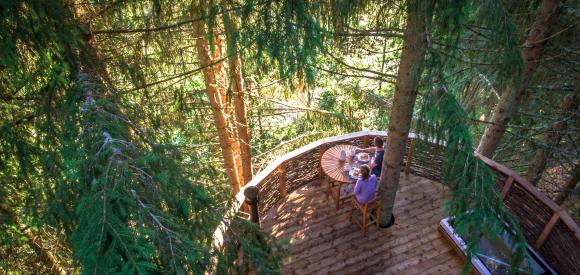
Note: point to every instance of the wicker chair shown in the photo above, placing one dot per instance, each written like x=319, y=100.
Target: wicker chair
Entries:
x=367, y=211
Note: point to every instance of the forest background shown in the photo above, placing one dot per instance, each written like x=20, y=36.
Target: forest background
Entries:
x=166, y=108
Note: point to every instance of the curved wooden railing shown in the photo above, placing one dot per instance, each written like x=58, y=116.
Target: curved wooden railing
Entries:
x=547, y=227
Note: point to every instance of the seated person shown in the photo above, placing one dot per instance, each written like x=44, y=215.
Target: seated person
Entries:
x=365, y=187
x=377, y=162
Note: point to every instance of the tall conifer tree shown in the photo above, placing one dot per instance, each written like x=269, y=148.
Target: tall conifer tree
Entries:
x=406, y=88
x=511, y=97
x=215, y=83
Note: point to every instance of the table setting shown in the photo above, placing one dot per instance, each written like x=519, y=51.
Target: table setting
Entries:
x=341, y=164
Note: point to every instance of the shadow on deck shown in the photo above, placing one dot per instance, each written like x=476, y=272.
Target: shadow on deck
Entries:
x=325, y=241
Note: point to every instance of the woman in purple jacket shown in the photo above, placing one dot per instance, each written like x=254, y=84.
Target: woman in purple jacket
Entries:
x=365, y=187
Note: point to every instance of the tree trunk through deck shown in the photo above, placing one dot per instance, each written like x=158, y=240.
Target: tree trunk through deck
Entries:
x=213, y=74
x=510, y=99
x=241, y=123
x=552, y=138
x=414, y=42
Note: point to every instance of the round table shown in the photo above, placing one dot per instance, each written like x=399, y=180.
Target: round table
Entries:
x=334, y=170
x=333, y=167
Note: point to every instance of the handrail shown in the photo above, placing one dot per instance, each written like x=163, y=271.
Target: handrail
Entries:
x=427, y=164
x=274, y=165
x=257, y=179
x=561, y=213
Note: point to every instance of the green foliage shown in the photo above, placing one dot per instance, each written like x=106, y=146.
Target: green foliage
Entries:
x=475, y=204
x=112, y=192
x=481, y=36
x=291, y=34
x=327, y=101
x=250, y=249
x=115, y=161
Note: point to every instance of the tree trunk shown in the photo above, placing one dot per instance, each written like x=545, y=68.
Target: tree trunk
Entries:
x=241, y=123
x=213, y=74
x=510, y=99
x=552, y=139
x=570, y=185
x=301, y=89
x=414, y=42
x=222, y=84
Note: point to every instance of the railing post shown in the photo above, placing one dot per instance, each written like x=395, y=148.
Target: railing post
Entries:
x=282, y=179
x=506, y=187
x=252, y=197
x=410, y=157
x=547, y=229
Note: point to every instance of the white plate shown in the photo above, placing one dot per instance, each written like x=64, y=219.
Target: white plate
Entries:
x=350, y=173
x=363, y=160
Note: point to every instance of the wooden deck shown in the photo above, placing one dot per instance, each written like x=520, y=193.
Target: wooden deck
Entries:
x=326, y=242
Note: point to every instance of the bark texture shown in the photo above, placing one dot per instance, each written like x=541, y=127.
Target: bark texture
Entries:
x=301, y=91
x=510, y=99
x=570, y=185
x=241, y=123
x=552, y=138
x=222, y=81
x=414, y=42
x=214, y=76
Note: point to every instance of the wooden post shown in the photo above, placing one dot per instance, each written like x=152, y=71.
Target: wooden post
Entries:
x=410, y=157
x=547, y=229
x=252, y=198
x=366, y=141
x=506, y=187
x=282, y=179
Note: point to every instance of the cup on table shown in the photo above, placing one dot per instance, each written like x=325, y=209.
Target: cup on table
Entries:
x=351, y=155
x=347, y=167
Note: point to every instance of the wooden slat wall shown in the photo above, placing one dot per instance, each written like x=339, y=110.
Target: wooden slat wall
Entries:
x=562, y=250
x=558, y=242
x=428, y=161
x=269, y=192
x=532, y=214
x=302, y=169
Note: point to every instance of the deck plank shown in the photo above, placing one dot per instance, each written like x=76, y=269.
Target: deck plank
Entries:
x=324, y=241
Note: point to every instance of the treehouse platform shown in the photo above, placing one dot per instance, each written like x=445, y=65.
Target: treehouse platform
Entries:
x=325, y=241
x=293, y=204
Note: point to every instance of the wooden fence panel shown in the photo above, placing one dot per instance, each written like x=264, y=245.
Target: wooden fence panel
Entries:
x=531, y=213
x=269, y=192
x=302, y=169
x=561, y=250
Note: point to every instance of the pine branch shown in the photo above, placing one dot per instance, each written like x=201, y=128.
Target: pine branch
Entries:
x=351, y=75
x=360, y=69
x=45, y=255
x=171, y=26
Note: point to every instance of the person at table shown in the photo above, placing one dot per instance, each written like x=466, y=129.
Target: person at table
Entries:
x=377, y=161
x=365, y=187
